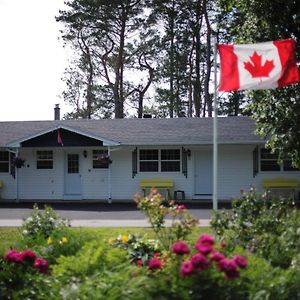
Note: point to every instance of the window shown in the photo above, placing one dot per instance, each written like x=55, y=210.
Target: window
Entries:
x=99, y=159
x=148, y=160
x=153, y=160
x=4, y=161
x=44, y=160
x=73, y=163
x=170, y=160
x=269, y=162
x=287, y=165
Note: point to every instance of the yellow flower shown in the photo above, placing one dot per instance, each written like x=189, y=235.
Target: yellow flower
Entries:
x=49, y=241
x=63, y=241
x=124, y=238
x=111, y=241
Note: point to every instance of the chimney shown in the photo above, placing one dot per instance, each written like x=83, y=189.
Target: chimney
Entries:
x=147, y=116
x=56, y=112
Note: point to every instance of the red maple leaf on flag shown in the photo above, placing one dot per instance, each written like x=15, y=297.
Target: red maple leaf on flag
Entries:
x=255, y=67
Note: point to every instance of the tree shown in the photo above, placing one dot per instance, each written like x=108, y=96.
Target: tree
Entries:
x=100, y=31
x=277, y=112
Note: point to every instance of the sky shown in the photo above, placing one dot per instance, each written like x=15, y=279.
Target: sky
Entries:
x=32, y=60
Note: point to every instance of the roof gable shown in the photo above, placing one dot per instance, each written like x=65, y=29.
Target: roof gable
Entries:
x=175, y=131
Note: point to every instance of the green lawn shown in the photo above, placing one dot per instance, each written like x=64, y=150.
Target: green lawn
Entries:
x=9, y=235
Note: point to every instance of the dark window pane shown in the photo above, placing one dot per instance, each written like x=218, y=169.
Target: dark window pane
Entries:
x=148, y=154
x=170, y=166
x=170, y=154
x=4, y=161
x=73, y=163
x=269, y=165
x=287, y=166
x=44, y=164
x=4, y=167
x=148, y=166
x=265, y=154
x=4, y=156
x=44, y=159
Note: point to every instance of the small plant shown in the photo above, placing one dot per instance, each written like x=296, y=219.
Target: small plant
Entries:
x=42, y=223
x=139, y=248
x=158, y=210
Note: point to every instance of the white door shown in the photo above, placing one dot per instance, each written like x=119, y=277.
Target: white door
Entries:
x=72, y=176
x=203, y=172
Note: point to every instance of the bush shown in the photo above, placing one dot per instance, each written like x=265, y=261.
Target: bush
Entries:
x=42, y=223
x=268, y=227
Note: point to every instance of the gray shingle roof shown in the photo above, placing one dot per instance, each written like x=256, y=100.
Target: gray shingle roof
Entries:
x=176, y=131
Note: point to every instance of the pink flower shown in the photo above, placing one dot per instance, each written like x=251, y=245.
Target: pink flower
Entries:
x=28, y=255
x=217, y=256
x=180, y=248
x=139, y=262
x=229, y=267
x=241, y=261
x=154, y=263
x=180, y=207
x=186, y=268
x=204, y=248
x=41, y=264
x=13, y=256
x=199, y=262
x=206, y=239
x=223, y=245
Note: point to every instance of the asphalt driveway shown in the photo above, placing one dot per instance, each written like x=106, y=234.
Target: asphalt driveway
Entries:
x=94, y=214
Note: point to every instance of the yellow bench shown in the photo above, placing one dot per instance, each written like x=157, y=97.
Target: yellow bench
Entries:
x=166, y=184
x=281, y=186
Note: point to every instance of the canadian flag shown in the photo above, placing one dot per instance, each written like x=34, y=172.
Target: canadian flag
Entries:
x=258, y=66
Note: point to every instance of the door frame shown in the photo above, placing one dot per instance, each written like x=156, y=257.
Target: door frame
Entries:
x=77, y=195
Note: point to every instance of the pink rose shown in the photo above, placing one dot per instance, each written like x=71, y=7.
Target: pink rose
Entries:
x=13, y=256
x=154, y=263
x=199, y=262
x=186, y=268
x=180, y=207
x=139, y=262
x=28, y=255
x=217, y=256
x=180, y=248
x=204, y=248
x=41, y=264
x=206, y=239
x=241, y=261
x=229, y=267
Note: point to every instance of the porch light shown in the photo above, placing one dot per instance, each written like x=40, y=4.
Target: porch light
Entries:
x=85, y=153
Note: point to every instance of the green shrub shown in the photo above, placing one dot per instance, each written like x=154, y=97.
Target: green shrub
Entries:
x=268, y=227
x=42, y=223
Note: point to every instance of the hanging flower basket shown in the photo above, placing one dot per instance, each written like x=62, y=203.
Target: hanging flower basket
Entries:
x=18, y=162
x=104, y=159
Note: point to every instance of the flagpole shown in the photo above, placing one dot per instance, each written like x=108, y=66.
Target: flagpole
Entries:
x=215, y=132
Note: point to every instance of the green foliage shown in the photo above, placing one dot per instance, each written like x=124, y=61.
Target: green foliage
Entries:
x=277, y=111
x=157, y=209
x=268, y=227
x=139, y=247
x=42, y=223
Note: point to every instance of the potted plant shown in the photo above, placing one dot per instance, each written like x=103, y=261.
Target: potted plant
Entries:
x=18, y=162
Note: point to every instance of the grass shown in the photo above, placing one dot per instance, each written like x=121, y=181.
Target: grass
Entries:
x=10, y=235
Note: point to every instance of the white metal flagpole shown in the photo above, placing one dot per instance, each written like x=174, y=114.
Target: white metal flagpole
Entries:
x=215, y=132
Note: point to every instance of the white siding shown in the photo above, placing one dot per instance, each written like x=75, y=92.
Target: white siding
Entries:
x=235, y=172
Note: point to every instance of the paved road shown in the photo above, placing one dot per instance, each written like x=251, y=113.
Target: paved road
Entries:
x=94, y=214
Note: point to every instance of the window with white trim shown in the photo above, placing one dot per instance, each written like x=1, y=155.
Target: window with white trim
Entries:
x=269, y=162
x=164, y=160
x=4, y=161
x=44, y=159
